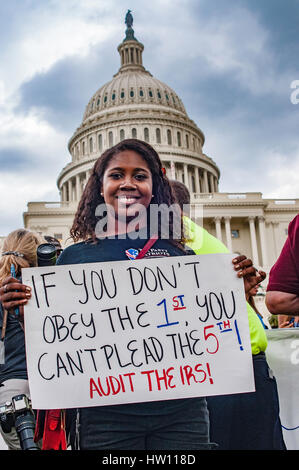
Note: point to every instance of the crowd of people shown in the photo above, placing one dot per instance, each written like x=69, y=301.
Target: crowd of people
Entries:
x=128, y=175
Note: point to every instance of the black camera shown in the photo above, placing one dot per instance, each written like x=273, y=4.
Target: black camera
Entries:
x=18, y=413
x=46, y=254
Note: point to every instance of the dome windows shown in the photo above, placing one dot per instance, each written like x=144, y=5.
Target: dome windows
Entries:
x=146, y=134
x=158, y=135
x=169, y=137
x=100, y=142
x=134, y=133
x=112, y=97
x=179, y=140
x=187, y=141
x=193, y=184
x=110, y=138
x=122, y=134
x=90, y=145
x=128, y=91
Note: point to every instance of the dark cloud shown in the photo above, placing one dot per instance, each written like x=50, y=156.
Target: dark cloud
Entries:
x=29, y=163
x=281, y=18
x=63, y=92
x=244, y=123
x=13, y=160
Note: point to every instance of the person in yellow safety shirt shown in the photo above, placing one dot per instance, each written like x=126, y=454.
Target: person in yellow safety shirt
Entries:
x=245, y=421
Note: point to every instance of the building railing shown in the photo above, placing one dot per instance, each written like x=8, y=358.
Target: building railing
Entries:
x=48, y=206
x=195, y=197
x=226, y=196
x=248, y=197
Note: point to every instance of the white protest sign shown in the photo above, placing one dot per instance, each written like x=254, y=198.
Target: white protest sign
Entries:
x=135, y=331
x=283, y=357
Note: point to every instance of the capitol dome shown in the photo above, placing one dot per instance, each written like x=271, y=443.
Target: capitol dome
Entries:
x=136, y=104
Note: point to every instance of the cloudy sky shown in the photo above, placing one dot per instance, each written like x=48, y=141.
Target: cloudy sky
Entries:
x=232, y=62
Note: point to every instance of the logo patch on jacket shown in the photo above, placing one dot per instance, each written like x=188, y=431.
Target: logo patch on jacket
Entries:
x=156, y=253
x=132, y=253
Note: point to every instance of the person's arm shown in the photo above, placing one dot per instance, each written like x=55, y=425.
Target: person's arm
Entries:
x=285, y=321
x=14, y=294
x=248, y=272
x=283, y=287
x=282, y=303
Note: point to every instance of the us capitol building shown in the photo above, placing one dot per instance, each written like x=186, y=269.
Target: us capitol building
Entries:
x=136, y=104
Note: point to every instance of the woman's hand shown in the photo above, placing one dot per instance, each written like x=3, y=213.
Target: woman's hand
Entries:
x=248, y=272
x=14, y=294
x=286, y=324
x=287, y=321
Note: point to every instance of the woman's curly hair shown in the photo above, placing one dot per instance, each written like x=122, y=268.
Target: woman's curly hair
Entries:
x=85, y=220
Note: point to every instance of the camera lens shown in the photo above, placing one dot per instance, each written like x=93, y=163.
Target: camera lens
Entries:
x=25, y=427
x=46, y=254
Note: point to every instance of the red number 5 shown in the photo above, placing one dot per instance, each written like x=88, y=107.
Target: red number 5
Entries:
x=208, y=335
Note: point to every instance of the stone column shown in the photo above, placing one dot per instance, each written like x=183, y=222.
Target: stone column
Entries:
x=77, y=187
x=218, y=228
x=179, y=175
x=253, y=241
x=172, y=168
x=275, y=226
x=186, y=179
x=70, y=188
x=212, y=182
x=205, y=180
x=262, y=231
x=84, y=181
x=228, y=233
x=190, y=180
x=196, y=175
x=63, y=193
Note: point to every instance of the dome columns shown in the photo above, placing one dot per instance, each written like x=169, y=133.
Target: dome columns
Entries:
x=134, y=104
x=197, y=179
x=71, y=189
x=130, y=55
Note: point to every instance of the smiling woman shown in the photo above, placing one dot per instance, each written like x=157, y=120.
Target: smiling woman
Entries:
x=128, y=178
x=127, y=182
